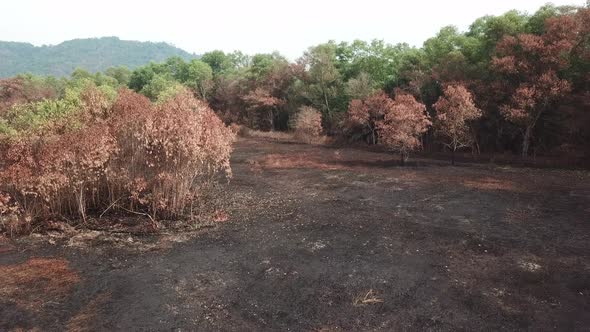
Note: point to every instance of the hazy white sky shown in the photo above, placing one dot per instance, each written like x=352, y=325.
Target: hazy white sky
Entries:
x=250, y=25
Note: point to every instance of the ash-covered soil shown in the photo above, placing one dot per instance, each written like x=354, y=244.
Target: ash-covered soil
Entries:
x=327, y=239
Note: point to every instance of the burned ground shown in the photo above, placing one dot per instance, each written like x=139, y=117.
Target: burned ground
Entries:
x=328, y=239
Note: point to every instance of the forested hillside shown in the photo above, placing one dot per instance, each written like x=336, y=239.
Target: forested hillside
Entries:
x=94, y=54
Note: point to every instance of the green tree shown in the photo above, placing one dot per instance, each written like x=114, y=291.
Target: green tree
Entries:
x=199, y=77
x=218, y=61
x=121, y=73
x=487, y=31
x=379, y=60
x=157, y=85
x=141, y=76
x=177, y=67
x=324, y=89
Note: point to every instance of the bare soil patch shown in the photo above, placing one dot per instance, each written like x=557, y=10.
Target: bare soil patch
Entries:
x=313, y=238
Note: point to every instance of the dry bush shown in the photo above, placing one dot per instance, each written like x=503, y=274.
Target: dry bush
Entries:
x=235, y=128
x=308, y=125
x=133, y=155
x=167, y=155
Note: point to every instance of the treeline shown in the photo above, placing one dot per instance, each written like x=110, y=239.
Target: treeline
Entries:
x=514, y=83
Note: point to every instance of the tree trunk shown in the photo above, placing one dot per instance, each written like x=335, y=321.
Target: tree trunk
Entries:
x=271, y=119
x=526, y=140
x=403, y=158
x=453, y=157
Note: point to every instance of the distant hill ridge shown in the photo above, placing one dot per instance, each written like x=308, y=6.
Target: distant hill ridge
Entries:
x=92, y=54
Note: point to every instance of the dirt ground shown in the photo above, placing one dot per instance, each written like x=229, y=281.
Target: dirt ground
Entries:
x=327, y=239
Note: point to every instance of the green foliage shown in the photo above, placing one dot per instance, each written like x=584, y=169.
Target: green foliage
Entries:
x=447, y=40
x=487, y=31
x=170, y=92
x=25, y=118
x=121, y=74
x=158, y=84
x=199, y=77
x=140, y=78
x=325, y=88
x=536, y=23
x=266, y=90
x=379, y=60
x=262, y=64
x=218, y=61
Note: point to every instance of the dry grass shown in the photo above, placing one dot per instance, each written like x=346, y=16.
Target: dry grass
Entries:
x=273, y=135
x=489, y=183
x=5, y=245
x=82, y=321
x=367, y=298
x=295, y=160
x=37, y=281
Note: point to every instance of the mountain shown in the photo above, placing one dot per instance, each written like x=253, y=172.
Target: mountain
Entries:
x=93, y=54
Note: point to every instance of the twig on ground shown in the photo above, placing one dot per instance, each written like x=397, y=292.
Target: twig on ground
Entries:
x=369, y=298
x=108, y=208
x=138, y=213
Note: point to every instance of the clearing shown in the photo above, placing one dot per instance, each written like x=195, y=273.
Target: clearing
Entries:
x=327, y=239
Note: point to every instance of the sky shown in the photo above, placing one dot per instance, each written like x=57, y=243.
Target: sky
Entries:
x=252, y=26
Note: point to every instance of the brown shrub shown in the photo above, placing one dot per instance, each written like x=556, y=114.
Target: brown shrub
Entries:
x=308, y=124
x=141, y=157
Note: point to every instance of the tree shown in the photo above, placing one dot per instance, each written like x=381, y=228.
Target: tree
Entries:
x=381, y=61
x=218, y=61
x=454, y=110
x=139, y=78
x=366, y=114
x=122, y=74
x=157, y=85
x=532, y=64
x=177, y=68
x=324, y=80
x=487, y=31
x=446, y=41
x=264, y=105
x=199, y=77
x=262, y=64
x=360, y=87
x=404, y=121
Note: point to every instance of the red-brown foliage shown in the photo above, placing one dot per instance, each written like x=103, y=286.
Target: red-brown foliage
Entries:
x=532, y=63
x=455, y=110
x=166, y=152
x=262, y=105
x=17, y=90
x=402, y=125
x=363, y=115
x=308, y=124
x=143, y=157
